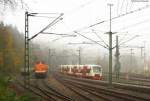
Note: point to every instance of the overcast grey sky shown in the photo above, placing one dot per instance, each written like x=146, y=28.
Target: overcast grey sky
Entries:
x=81, y=13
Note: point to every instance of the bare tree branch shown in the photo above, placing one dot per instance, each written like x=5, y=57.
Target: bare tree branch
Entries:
x=12, y=4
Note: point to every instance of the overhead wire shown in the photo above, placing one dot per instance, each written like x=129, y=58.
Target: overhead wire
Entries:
x=128, y=40
x=53, y=22
x=122, y=6
x=127, y=13
x=100, y=38
x=127, y=5
x=118, y=3
x=131, y=5
x=44, y=17
x=122, y=38
x=90, y=39
x=59, y=34
x=59, y=38
x=50, y=13
x=134, y=25
x=49, y=25
x=82, y=43
x=79, y=7
x=135, y=19
x=130, y=12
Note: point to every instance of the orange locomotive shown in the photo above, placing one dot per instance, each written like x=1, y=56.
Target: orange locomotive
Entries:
x=40, y=69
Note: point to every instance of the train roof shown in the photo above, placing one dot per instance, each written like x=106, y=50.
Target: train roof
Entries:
x=83, y=65
x=93, y=65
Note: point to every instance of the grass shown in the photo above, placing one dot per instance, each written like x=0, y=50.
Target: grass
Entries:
x=9, y=94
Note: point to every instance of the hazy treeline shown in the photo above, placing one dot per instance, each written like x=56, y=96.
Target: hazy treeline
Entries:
x=11, y=60
x=12, y=49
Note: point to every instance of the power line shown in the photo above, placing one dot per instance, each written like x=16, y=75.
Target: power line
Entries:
x=58, y=34
x=129, y=39
x=126, y=41
x=122, y=6
x=118, y=7
x=79, y=7
x=100, y=38
x=84, y=43
x=127, y=6
x=90, y=39
x=59, y=38
x=133, y=25
x=122, y=38
x=44, y=16
x=53, y=22
x=49, y=25
x=127, y=13
x=50, y=13
x=131, y=5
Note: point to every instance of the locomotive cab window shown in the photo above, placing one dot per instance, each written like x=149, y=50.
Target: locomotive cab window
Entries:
x=96, y=69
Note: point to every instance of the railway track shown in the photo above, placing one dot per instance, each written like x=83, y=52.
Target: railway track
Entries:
x=37, y=91
x=82, y=94
x=41, y=88
x=87, y=94
x=130, y=79
x=111, y=94
x=136, y=88
x=55, y=92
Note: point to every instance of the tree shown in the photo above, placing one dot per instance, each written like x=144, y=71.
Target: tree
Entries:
x=1, y=45
x=11, y=49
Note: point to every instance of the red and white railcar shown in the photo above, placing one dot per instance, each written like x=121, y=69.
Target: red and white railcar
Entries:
x=85, y=71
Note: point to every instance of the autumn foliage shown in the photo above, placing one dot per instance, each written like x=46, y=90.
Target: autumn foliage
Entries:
x=11, y=49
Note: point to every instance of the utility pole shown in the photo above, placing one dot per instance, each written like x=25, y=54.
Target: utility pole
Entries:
x=110, y=50
x=117, y=64
x=144, y=55
x=131, y=59
x=141, y=51
x=26, y=60
x=79, y=55
x=49, y=59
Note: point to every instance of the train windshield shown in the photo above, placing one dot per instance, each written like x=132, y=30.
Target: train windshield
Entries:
x=96, y=69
